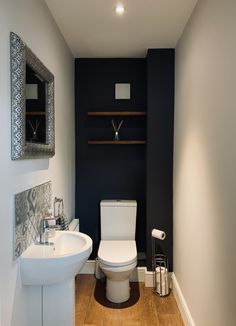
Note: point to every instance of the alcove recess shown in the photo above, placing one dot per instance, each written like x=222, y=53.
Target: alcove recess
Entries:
x=117, y=114
x=143, y=173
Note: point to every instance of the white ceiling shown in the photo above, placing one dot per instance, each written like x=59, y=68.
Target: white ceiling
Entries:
x=91, y=28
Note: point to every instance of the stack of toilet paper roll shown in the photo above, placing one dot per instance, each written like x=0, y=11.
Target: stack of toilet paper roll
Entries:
x=162, y=283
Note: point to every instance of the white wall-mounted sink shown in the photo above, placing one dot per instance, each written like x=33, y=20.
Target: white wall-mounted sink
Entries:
x=50, y=264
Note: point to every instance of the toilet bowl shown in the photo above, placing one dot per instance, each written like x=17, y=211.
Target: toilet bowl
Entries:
x=117, y=259
x=117, y=253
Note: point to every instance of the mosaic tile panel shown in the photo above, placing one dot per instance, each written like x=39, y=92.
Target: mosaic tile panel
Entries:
x=30, y=207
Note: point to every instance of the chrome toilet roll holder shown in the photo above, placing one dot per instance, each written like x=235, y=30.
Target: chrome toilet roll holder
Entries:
x=160, y=268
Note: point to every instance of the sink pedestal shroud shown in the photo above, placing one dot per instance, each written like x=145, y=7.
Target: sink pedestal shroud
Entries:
x=58, y=303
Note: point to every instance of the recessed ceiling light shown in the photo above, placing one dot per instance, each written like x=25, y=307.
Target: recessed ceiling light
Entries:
x=120, y=9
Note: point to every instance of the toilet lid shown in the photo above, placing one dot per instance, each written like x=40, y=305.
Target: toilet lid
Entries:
x=117, y=253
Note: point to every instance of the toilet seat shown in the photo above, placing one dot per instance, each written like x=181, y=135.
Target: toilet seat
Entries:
x=117, y=253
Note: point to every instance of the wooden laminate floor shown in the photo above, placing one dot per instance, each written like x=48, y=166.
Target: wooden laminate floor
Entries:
x=143, y=309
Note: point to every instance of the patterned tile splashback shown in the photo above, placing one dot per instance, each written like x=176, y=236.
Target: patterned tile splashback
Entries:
x=30, y=206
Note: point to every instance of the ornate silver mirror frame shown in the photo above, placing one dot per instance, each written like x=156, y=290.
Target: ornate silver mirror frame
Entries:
x=22, y=149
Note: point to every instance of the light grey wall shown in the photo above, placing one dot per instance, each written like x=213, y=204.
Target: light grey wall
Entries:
x=205, y=163
x=31, y=20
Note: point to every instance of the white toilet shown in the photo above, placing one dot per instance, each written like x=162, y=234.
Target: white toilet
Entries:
x=117, y=253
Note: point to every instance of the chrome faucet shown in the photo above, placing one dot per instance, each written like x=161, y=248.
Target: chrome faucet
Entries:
x=44, y=229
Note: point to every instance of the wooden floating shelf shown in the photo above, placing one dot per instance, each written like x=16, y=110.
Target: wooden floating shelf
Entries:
x=117, y=113
x=116, y=142
x=35, y=113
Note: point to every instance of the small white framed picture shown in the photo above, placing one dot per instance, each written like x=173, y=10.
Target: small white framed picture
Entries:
x=122, y=91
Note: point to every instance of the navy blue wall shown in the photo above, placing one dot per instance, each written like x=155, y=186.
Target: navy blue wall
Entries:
x=160, y=124
x=136, y=172
x=109, y=171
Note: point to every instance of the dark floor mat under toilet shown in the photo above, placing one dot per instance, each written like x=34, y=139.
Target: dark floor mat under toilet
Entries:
x=100, y=296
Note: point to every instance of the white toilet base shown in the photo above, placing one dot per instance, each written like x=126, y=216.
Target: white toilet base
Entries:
x=118, y=291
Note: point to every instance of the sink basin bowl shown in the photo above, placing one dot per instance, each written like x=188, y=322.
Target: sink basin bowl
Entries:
x=50, y=264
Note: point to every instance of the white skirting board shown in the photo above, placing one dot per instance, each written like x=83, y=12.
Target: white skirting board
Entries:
x=140, y=274
x=137, y=276
x=181, y=302
x=88, y=268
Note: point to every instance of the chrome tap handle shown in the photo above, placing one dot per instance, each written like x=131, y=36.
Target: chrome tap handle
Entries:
x=45, y=226
x=43, y=231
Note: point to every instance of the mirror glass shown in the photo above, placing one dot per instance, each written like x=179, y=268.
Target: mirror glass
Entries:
x=32, y=99
x=35, y=104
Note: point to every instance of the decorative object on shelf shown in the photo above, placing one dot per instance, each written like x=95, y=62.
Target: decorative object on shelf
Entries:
x=116, y=128
x=133, y=113
x=24, y=60
x=34, y=129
